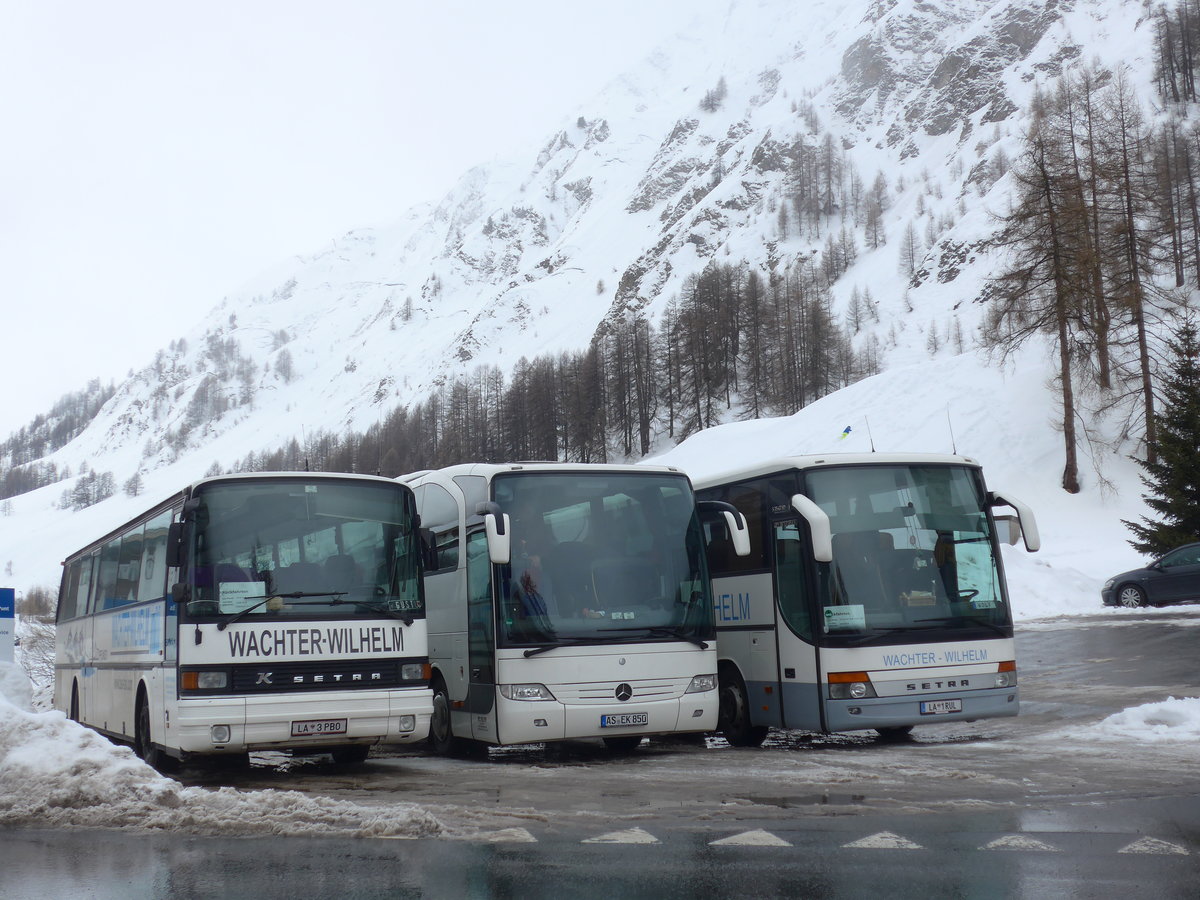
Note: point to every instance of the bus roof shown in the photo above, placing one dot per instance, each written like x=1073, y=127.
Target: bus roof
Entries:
x=821, y=460
x=489, y=470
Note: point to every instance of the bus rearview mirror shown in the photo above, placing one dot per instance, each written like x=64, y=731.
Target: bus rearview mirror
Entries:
x=818, y=525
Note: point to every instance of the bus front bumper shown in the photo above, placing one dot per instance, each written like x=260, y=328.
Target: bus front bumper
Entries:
x=300, y=722
x=901, y=712
x=524, y=722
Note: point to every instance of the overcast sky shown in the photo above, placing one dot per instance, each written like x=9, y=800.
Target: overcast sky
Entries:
x=157, y=155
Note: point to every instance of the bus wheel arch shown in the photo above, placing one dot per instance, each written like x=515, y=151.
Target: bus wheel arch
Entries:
x=733, y=717
x=74, y=714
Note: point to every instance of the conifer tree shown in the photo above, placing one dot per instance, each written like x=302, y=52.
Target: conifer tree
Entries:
x=1172, y=475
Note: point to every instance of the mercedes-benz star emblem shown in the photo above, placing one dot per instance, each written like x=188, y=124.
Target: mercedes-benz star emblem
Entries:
x=624, y=692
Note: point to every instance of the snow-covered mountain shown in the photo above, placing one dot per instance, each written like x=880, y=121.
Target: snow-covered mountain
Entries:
x=689, y=158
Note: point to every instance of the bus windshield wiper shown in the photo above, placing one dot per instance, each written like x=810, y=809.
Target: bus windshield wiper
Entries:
x=379, y=607
x=664, y=631
x=266, y=598
x=964, y=621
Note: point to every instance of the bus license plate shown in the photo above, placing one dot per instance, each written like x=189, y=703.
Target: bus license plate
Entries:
x=623, y=720
x=313, y=727
x=937, y=707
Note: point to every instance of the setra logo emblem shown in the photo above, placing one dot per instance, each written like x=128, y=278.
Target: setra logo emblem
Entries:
x=624, y=692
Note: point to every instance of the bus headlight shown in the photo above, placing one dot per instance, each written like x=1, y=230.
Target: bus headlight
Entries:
x=525, y=692
x=702, y=683
x=204, y=681
x=415, y=671
x=850, y=686
x=1006, y=676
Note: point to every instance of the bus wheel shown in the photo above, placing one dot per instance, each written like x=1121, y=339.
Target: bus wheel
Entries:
x=441, y=738
x=624, y=745
x=143, y=740
x=894, y=732
x=733, y=717
x=351, y=754
x=74, y=702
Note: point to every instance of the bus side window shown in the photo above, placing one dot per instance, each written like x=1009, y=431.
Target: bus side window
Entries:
x=106, y=590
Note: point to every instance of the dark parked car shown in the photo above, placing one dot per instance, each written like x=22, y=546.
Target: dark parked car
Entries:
x=1174, y=578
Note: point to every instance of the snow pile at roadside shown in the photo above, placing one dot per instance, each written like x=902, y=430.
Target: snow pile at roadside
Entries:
x=54, y=773
x=15, y=686
x=1170, y=720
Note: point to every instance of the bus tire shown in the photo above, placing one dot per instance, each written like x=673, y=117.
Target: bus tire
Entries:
x=894, y=732
x=143, y=741
x=74, y=716
x=733, y=717
x=441, y=735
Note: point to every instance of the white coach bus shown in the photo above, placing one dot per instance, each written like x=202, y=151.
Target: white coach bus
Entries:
x=873, y=598
x=251, y=612
x=567, y=601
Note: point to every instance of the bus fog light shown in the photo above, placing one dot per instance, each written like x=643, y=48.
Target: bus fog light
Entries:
x=697, y=713
x=413, y=672
x=540, y=723
x=221, y=734
x=701, y=683
x=408, y=723
x=525, y=692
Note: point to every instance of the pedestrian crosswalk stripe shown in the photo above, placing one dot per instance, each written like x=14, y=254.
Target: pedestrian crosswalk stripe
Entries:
x=884, y=840
x=756, y=838
x=1019, y=842
x=629, y=836
x=506, y=836
x=1154, y=845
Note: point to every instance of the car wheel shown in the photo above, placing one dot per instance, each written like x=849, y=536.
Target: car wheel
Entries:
x=1131, y=596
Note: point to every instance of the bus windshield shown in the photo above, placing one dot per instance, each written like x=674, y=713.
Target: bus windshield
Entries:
x=601, y=557
x=912, y=552
x=302, y=548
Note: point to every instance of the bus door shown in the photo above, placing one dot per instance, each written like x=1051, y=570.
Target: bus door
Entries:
x=481, y=639
x=799, y=687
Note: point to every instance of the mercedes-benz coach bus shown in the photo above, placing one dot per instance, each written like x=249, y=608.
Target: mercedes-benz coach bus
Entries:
x=567, y=601
x=873, y=597
x=251, y=612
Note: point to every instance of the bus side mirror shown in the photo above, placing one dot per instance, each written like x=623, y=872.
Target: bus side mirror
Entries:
x=175, y=545
x=428, y=550
x=735, y=523
x=739, y=532
x=818, y=525
x=496, y=523
x=1028, y=524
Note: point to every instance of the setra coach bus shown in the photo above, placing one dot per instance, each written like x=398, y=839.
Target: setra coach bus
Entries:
x=567, y=601
x=251, y=612
x=873, y=598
